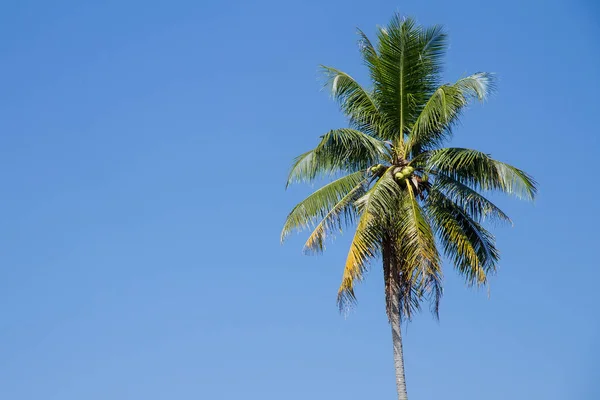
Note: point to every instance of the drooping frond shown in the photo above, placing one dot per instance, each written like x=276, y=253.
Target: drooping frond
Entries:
x=442, y=110
x=342, y=212
x=479, y=171
x=322, y=202
x=476, y=205
x=343, y=149
x=470, y=246
x=417, y=237
x=362, y=249
x=356, y=102
x=421, y=275
x=477, y=86
x=373, y=208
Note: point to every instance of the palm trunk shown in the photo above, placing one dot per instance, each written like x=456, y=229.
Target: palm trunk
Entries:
x=390, y=273
x=398, y=354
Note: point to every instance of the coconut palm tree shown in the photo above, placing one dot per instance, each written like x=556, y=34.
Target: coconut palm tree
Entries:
x=409, y=199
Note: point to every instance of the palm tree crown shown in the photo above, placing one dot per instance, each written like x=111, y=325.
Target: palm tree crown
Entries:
x=409, y=198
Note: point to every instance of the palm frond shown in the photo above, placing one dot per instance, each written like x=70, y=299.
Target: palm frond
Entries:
x=476, y=205
x=407, y=73
x=470, y=246
x=356, y=102
x=321, y=203
x=362, y=249
x=382, y=199
x=372, y=208
x=421, y=276
x=478, y=170
x=333, y=220
x=477, y=86
x=368, y=51
x=442, y=110
x=343, y=149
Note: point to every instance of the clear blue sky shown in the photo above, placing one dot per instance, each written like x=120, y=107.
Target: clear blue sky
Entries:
x=143, y=152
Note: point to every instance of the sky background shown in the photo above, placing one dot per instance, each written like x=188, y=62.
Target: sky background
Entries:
x=144, y=147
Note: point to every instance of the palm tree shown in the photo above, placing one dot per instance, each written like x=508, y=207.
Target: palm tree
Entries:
x=408, y=198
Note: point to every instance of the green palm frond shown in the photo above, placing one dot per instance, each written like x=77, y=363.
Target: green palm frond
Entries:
x=356, y=102
x=322, y=202
x=382, y=198
x=406, y=74
x=368, y=51
x=476, y=205
x=343, y=149
x=442, y=110
x=470, y=246
x=479, y=171
x=333, y=220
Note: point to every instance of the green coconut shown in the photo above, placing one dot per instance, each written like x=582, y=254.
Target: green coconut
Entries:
x=408, y=170
x=376, y=168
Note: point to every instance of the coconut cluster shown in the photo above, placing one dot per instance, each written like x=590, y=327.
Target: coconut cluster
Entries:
x=400, y=173
x=404, y=173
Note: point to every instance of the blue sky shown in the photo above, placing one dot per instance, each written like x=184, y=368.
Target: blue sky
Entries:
x=143, y=153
